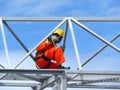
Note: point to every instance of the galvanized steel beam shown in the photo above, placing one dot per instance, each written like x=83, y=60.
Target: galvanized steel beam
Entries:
x=45, y=19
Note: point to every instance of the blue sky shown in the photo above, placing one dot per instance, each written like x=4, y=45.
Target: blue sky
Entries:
x=60, y=8
x=87, y=44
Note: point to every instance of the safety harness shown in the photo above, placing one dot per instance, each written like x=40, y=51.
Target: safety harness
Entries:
x=43, y=55
x=45, y=58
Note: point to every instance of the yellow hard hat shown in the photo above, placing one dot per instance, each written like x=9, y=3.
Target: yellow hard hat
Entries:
x=59, y=31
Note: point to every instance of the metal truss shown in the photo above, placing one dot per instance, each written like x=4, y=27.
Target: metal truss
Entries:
x=59, y=79
x=39, y=79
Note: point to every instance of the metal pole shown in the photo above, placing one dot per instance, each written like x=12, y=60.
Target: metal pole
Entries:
x=40, y=42
x=63, y=81
x=96, y=54
x=5, y=43
x=34, y=19
x=74, y=43
x=96, y=35
x=101, y=49
x=25, y=48
x=58, y=19
x=65, y=36
x=2, y=66
x=98, y=19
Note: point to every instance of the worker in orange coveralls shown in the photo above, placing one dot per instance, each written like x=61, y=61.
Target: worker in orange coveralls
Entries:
x=48, y=55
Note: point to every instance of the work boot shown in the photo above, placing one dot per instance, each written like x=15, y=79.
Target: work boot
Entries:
x=62, y=67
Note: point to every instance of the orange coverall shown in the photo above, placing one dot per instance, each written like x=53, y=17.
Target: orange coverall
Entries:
x=53, y=53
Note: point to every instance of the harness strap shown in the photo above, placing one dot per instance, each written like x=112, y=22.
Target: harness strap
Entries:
x=46, y=59
x=43, y=56
x=39, y=52
x=47, y=66
x=50, y=40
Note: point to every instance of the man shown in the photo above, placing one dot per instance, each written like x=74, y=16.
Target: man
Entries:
x=50, y=56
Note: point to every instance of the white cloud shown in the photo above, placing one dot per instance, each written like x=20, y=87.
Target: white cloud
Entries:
x=19, y=7
x=95, y=8
x=15, y=58
x=44, y=8
x=114, y=11
x=31, y=8
x=59, y=8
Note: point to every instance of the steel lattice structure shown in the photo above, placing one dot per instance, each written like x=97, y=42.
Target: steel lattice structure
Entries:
x=40, y=79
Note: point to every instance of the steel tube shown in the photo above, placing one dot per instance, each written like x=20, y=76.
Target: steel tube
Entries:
x=65, y=36
x=81, y=19
x=101, y=49
x=40, y=42
x=74, y=43
x=96, y=35
x=21, y=43
x=5, y=43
